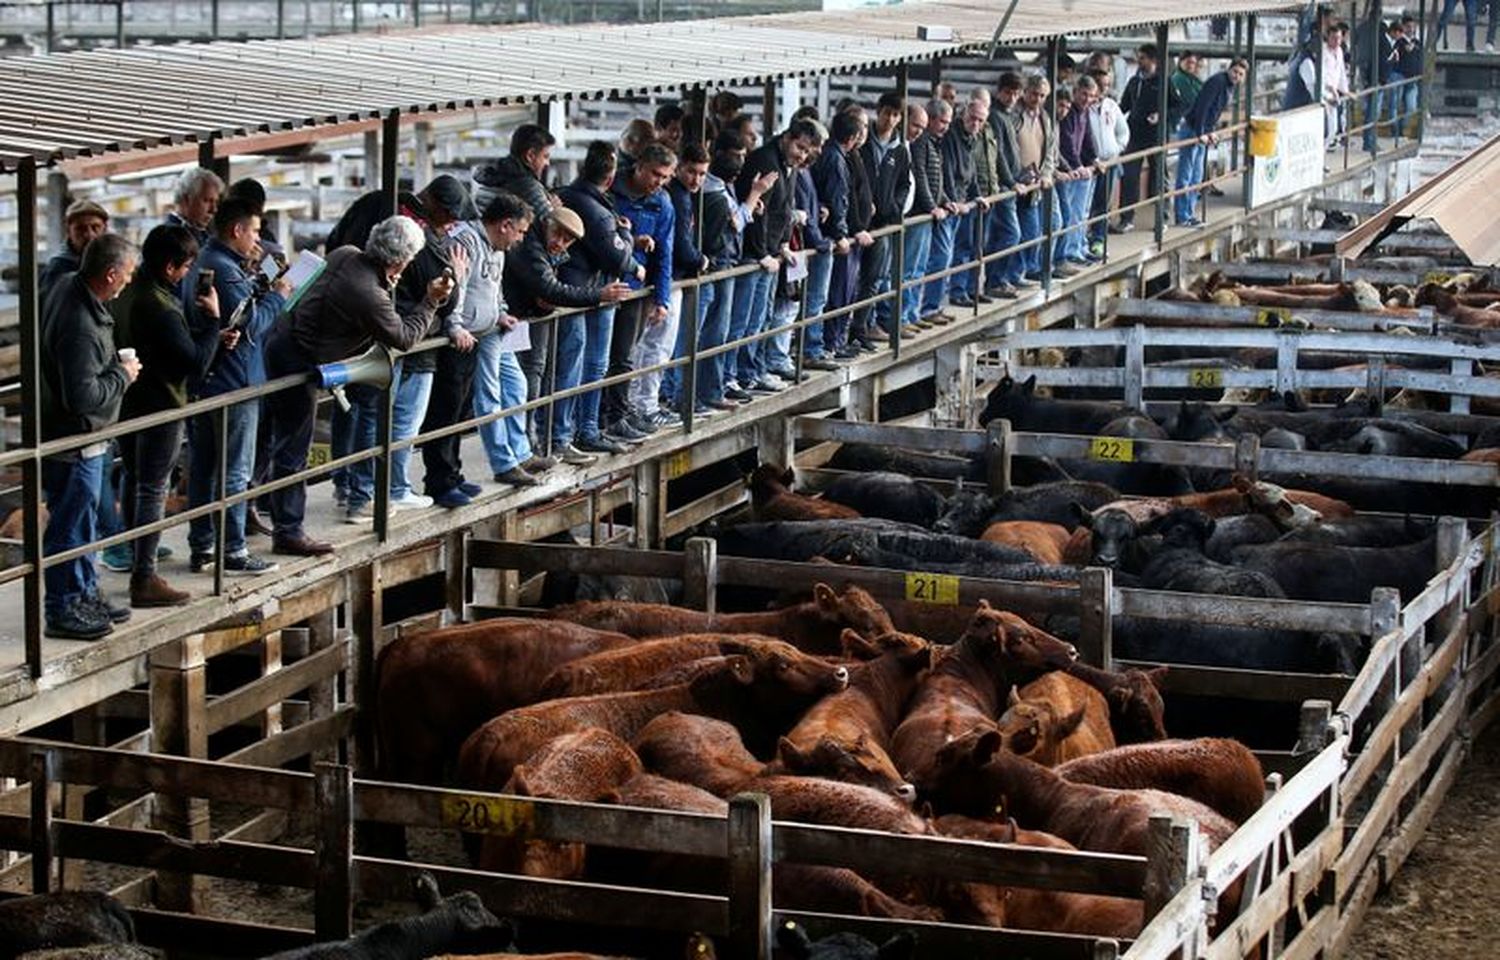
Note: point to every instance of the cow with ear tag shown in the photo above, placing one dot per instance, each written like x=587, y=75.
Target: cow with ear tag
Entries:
x=1055, y=719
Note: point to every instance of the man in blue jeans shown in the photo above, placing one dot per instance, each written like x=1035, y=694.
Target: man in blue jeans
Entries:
x=948, y=187
x=927, y=173
x=1201, y=121
x=1006, y=276
x=82, y=384
x=236, y=228
x=1408, y=66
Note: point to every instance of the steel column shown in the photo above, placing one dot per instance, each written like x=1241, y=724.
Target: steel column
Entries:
x=1049, y=193
x=897, y=240
x=1372, y=110
x=1163, y=131
x=31, y=469
x=1250, y=81
x=390, y=150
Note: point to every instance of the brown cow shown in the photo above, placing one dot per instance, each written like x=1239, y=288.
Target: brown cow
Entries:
x=1031, y=908
x=771, y=498
x=1044, y=541
x=974, y=776
x=968, y=680
x=436, y=688
x=1136, y=711
x=588, y=765
x=1056, y=718
x=758, y=696
x=1222, y=774
x=814, y=626
x=859, y=720
x=633, y=667
x=701, y=751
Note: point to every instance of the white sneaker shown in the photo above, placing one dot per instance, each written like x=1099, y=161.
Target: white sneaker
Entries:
x=411, y=500
x=1489, y=48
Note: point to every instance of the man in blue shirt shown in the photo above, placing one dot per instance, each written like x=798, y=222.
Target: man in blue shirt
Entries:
x=1199, y=123
x=643, y=327
x=242, y=307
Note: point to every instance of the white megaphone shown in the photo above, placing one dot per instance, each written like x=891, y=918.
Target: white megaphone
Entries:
x=372, y=367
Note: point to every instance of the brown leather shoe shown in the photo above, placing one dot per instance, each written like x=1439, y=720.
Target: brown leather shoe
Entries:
x=153, y=591
x=303, y=546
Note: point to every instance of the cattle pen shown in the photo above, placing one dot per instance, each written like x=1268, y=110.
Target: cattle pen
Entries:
x=232, y=739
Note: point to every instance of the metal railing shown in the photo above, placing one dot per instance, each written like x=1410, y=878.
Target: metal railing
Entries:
x=31, y=452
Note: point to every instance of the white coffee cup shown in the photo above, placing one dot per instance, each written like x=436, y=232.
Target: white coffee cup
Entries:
x=127, y=354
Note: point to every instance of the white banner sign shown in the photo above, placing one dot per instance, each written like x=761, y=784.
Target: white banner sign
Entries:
x=1298, y=162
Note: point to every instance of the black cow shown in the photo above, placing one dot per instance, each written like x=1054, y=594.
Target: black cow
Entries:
x=1019, y=404
x=870, y=458
x=1365, y=531
x=1180, y=564
x=1391, y=438
x=1231, y=532
x=971, y=511
x=458, y=924
x=1141, y=479
x=1116, y=540
x=1338, y=574
x=74, y=918
x=99, y=951
x=888, y=495
x=793, y=942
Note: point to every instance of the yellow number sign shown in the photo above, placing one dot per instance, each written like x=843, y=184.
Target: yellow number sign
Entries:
x=1272, y=316
x=489, y=815
x=932, y=588
x=318, y=454
x=1437, y=278
x=1206, y=378
x=677, y=465
x=1112, y=449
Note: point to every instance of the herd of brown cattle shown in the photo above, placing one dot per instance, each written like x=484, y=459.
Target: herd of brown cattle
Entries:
x=1001, y=735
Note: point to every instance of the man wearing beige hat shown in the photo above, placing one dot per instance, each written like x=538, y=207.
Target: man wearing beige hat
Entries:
x=83, y=221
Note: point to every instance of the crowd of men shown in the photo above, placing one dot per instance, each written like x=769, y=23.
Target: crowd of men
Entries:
x=807, y=215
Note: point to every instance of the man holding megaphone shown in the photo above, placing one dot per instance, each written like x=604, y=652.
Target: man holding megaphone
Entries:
x=347, y=310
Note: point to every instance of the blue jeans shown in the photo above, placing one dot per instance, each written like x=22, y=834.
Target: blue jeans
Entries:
x=500, y=383
x=568, y=370
x=1189, y=174
x=1403, y=102
x=819, y=274
x=715, y=306
x=1004, y=231
x=203, y=472
x=340, y=443
x=939, y=256
x=364, y=403
x=109, y=520
x=843, y=289
x=962, y=285
x=410, y=410
x=598, y=330
x=1075, y=197
x=72, y=491
x=750, y=307
x=1029, y=215
x=918, y=245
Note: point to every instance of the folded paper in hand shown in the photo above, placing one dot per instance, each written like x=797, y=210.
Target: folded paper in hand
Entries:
x=797, y=266
x=516, y=339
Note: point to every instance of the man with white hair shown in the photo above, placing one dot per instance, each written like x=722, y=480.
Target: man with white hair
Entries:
x=196, y=200
x=346, y=309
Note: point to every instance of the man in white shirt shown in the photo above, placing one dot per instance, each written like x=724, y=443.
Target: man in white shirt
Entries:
x=1335, y=78
x=1110, y=129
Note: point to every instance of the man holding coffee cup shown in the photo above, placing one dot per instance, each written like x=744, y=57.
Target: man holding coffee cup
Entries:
x=82, y=384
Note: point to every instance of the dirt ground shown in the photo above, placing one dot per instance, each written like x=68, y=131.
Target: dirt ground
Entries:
x=1445, y=902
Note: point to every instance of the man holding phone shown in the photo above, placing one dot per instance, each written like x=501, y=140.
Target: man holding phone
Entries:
x=245, y=317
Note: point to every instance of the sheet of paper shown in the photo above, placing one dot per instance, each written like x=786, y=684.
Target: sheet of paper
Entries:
x=516, y=339
x=303, y=271
x=797, y=267
x=270, y=267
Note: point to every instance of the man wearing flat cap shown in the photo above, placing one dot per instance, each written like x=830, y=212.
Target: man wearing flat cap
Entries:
x=83, y=221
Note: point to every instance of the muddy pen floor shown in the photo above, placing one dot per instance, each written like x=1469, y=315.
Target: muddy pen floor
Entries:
x=1445, y=902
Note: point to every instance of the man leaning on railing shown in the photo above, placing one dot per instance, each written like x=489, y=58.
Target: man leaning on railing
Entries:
x=346, y=309
x=82, y=383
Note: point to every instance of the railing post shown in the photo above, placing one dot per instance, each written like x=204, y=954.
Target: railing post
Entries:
x=179, y=726
x=1250, y=81
x=365, y=604
x=1314, y=726
x=1096, y=588
x=1372, y=111
x=997, y=456
x=333, y=897
x=1049, y=194
x=1173, y=855
x=43, y=834
x=31, y=378
x=1135, y=366
x=750, y=877
x=1247, y=456
x=700, y=573
x=221, y=468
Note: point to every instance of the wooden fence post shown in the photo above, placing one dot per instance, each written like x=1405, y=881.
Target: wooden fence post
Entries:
x=1247, y=456
x=997, y=456
x=1096, y=588
x=750, y=877
x=1173, y=858
x=179, y=726
x=1135, y=366
x=648, y=505
x=333, y=901
x=43, y=836
x=700, y=573
x=1314, y=726
x=456, y=575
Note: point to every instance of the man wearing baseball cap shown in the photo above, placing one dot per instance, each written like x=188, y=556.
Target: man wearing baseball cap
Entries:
x=83, y=221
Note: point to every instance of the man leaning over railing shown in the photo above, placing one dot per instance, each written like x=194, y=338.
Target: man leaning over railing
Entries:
x=82, y=384
x=1199, y=125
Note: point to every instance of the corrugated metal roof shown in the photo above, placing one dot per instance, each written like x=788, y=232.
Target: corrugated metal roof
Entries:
x=1461, y=200
x=55, y=107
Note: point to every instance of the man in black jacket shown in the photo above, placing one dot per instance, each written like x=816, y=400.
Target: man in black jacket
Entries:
x=844, y=191
x=521, y=173
x=82, y=384
x=1141, y=102
x=83, y=221
x=601, y=256
x=887, y=161
x=765, y=241
x=923, y=127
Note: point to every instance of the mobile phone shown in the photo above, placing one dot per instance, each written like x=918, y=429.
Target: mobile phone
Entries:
x=205, y=282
